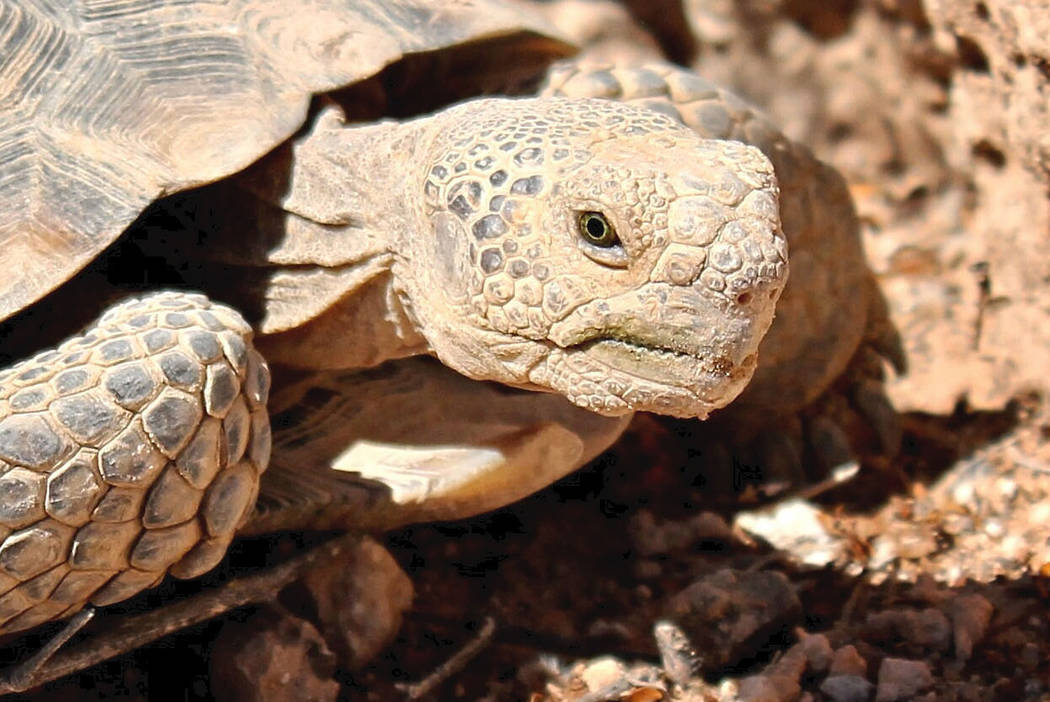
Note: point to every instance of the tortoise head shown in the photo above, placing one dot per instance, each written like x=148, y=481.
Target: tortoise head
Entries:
x=595, y=249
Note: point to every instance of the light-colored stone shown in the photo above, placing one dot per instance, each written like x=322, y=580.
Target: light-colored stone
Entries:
x=901, y=679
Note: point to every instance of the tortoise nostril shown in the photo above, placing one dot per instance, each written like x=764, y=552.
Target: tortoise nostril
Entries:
x=743, y=298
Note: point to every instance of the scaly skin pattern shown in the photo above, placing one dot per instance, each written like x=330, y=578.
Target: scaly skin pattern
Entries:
x=130, y=451
x=818, y=390
x=508, y=287
x=135, y=449
x=823, y=314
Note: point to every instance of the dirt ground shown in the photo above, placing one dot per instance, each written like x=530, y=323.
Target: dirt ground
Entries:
x=655, y=573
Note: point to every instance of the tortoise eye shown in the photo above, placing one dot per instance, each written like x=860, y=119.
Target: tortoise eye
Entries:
x=597, y=230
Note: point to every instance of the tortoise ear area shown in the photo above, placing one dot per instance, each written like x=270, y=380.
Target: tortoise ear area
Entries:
x=362, y=326
x=448, y=253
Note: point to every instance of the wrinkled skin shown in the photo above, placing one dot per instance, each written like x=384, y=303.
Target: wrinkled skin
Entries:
x=506, y=284
x=594, y=250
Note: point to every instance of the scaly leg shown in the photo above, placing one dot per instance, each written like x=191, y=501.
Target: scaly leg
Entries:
x=131, y=451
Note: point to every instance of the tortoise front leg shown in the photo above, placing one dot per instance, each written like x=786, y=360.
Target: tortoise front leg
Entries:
x=131, y=451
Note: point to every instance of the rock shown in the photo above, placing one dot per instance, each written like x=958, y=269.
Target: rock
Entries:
x=677, y=657
x=787, y=671
x=651, y=538
x=603, y=673
x=781, y=681
x=817, y=650
x=1030, y=657
x=932, y=629
x=273, y=656
x=1003, y=46
x=927, y=629
x=970, y=616
x=768, y=688
x=602, y=678
x=797, y=527
x=791, y=665
x=901, y=679
x=847, y=688
x=729, y=615
x=358, y=597
x=847, y=661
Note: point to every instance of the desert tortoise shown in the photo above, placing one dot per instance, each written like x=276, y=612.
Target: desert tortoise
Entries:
x=593, y=249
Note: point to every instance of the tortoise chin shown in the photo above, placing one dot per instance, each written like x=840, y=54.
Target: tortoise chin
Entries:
x=679, y=350
x=613, y=376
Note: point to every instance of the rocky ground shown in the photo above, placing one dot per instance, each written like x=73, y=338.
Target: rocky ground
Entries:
x=648, y=576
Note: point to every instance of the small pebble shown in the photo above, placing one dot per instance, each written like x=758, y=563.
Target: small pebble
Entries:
x=970, y=615
x=817, y=650
x=847, y=661
x=927, y=628
x=768, y=688
x=901, y=679
x=358, y=599
x=728, y=615
x=273, y=656
x=1030, y=656
x=847, y=688
x=603, y=673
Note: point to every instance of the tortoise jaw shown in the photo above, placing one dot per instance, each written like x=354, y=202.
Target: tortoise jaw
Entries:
x=612, y=378
x=667, y=349
x=656, y=363
x=638, y=377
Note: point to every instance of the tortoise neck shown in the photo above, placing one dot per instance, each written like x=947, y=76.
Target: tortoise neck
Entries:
x=331, y=299
x=363, y=328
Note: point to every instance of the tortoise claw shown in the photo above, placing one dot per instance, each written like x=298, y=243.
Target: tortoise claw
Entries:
x=870, y=400
x=32, y=671
x=830, y=445
x=781, y=454
x=881, y=335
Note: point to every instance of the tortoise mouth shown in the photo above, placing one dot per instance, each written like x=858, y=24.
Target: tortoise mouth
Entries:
x=612, y=375
x=612, y=340
x=657, y=363
x=664, y=349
